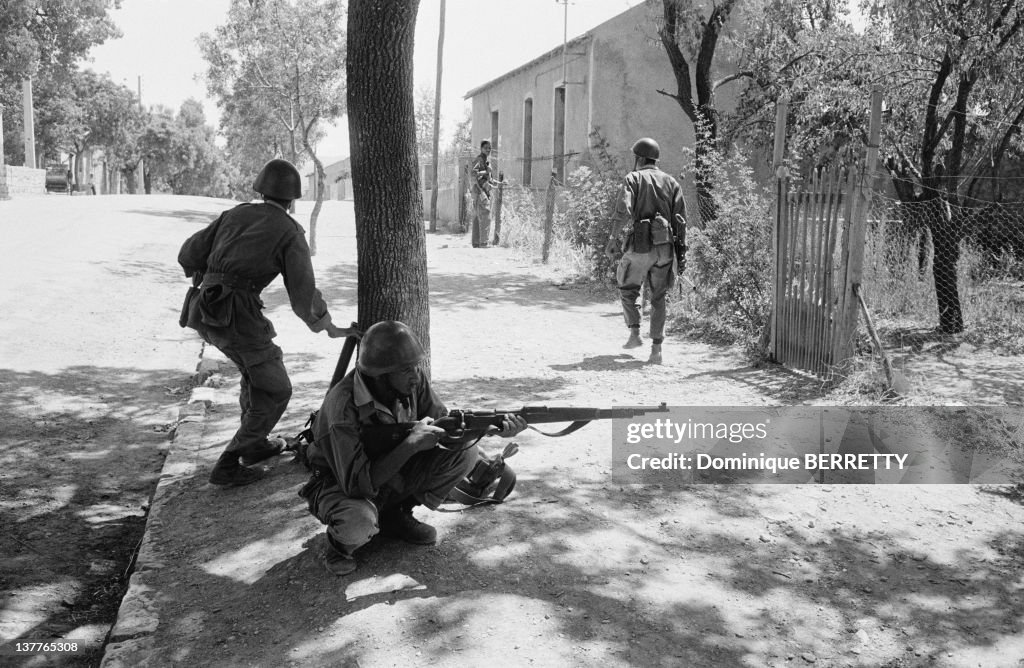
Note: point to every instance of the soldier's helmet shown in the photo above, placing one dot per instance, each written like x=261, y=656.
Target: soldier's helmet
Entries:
x=388, y=346
x=646, y=148
x=279, y=179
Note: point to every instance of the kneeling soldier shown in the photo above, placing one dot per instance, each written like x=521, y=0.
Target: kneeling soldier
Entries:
x=358, y=496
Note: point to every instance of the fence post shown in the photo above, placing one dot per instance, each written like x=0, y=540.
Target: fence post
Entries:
x=781, y=187
x=549, y=217
x=858, y=224
x=497, y=209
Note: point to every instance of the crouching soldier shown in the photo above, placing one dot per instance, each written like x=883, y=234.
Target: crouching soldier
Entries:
x=360, y=489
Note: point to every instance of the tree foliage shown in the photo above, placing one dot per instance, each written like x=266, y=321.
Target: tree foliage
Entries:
x=951, y=75
x=281, y=61
x=44, y=39
x=180, y=154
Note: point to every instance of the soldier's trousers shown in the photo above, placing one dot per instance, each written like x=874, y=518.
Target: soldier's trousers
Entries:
x=264, y=393
x=481, y=218
x=656, y=267
x=427, y=478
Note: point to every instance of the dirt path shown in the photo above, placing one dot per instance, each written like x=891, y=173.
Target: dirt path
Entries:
x=575, y=570
x=91, y=376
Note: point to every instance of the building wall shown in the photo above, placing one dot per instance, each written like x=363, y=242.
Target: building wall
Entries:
x=614, y=74
x=336, y=187
x=536, y=82
x=21, y=181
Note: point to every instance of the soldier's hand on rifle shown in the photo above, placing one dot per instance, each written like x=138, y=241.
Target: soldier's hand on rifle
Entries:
x=424, y=435
x=512, y=425
x=336, y=332
x=613, y=249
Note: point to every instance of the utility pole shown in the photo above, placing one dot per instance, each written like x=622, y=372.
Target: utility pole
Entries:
x=565, y=33
x=29, y=126
x=437, y=122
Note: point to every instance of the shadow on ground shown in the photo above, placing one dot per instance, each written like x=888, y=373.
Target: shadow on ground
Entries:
x=526, y=555
x=80, y=454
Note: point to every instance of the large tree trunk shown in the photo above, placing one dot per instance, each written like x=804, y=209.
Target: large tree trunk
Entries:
x=390, y=237
x=946, y=237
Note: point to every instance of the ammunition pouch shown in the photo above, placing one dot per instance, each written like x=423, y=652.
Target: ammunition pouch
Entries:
x=642, y=236
x=651, y=232
x=490, y=481
x=661, y=231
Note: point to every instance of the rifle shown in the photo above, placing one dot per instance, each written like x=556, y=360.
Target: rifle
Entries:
x=465, y=427
x=341, y=368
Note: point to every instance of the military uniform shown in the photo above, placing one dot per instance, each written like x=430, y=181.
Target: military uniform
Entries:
x=646, y=193
x=238, y=255
x=481, y=200
x=341, y=494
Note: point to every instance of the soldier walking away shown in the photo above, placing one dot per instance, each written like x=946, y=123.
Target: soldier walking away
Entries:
x=482, y=183
x=649, y=239
x=231, y=261
x=360, y=488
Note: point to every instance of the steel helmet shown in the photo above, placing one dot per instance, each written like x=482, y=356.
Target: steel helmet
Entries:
x=646, y=148
x=279, y=179
x=388, y=346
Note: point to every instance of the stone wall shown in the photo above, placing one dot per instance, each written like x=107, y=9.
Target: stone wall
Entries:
x=21, y=181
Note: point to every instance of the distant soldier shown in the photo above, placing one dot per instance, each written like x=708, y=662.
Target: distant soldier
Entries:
x=358, y=495
x=649, y=231
x=231, y=261
x=482, y=183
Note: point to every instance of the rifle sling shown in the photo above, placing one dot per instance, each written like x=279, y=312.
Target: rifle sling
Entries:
x=578, y=424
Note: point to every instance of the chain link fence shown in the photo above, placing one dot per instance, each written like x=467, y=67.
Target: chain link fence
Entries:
x=937, y=265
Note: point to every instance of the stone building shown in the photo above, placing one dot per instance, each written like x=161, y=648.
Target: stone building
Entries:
x=540, y=116
x=337, y=181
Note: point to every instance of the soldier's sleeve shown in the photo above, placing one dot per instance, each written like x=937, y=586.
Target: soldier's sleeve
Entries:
x=299, y=281
x=623, y=214
x=196, y=250
x=348, y=461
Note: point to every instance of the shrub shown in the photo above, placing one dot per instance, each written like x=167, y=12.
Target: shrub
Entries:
x=730, y=256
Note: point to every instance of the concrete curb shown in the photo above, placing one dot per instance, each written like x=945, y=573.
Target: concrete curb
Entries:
x=130, y=642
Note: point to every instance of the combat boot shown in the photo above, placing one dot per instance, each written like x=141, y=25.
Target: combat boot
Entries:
x=398, y=522
x=337, y=559
x=272, y=447
x=655, y=357
x=634, y=338
x=229, y=472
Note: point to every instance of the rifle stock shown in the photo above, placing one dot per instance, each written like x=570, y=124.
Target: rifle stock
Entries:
x=465, y=427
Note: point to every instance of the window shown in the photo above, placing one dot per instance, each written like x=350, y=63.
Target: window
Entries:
x=528, y=142
x=494, y=132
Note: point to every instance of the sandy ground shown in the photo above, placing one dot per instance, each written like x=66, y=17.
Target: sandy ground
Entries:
x=575, y=570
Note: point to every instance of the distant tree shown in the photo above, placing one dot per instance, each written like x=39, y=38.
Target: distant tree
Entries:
x=251, y=136
x=953, y=76
x=390, y=235
x=180, y=153
x=42, y=39
x=690, y=35
x=424, y=123
x=200, y=166
x=284, y=60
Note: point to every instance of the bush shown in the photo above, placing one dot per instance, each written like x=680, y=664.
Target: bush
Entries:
x=730, y=257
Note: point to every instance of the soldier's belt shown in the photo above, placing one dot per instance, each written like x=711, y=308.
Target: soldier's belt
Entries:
x=231, y=281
